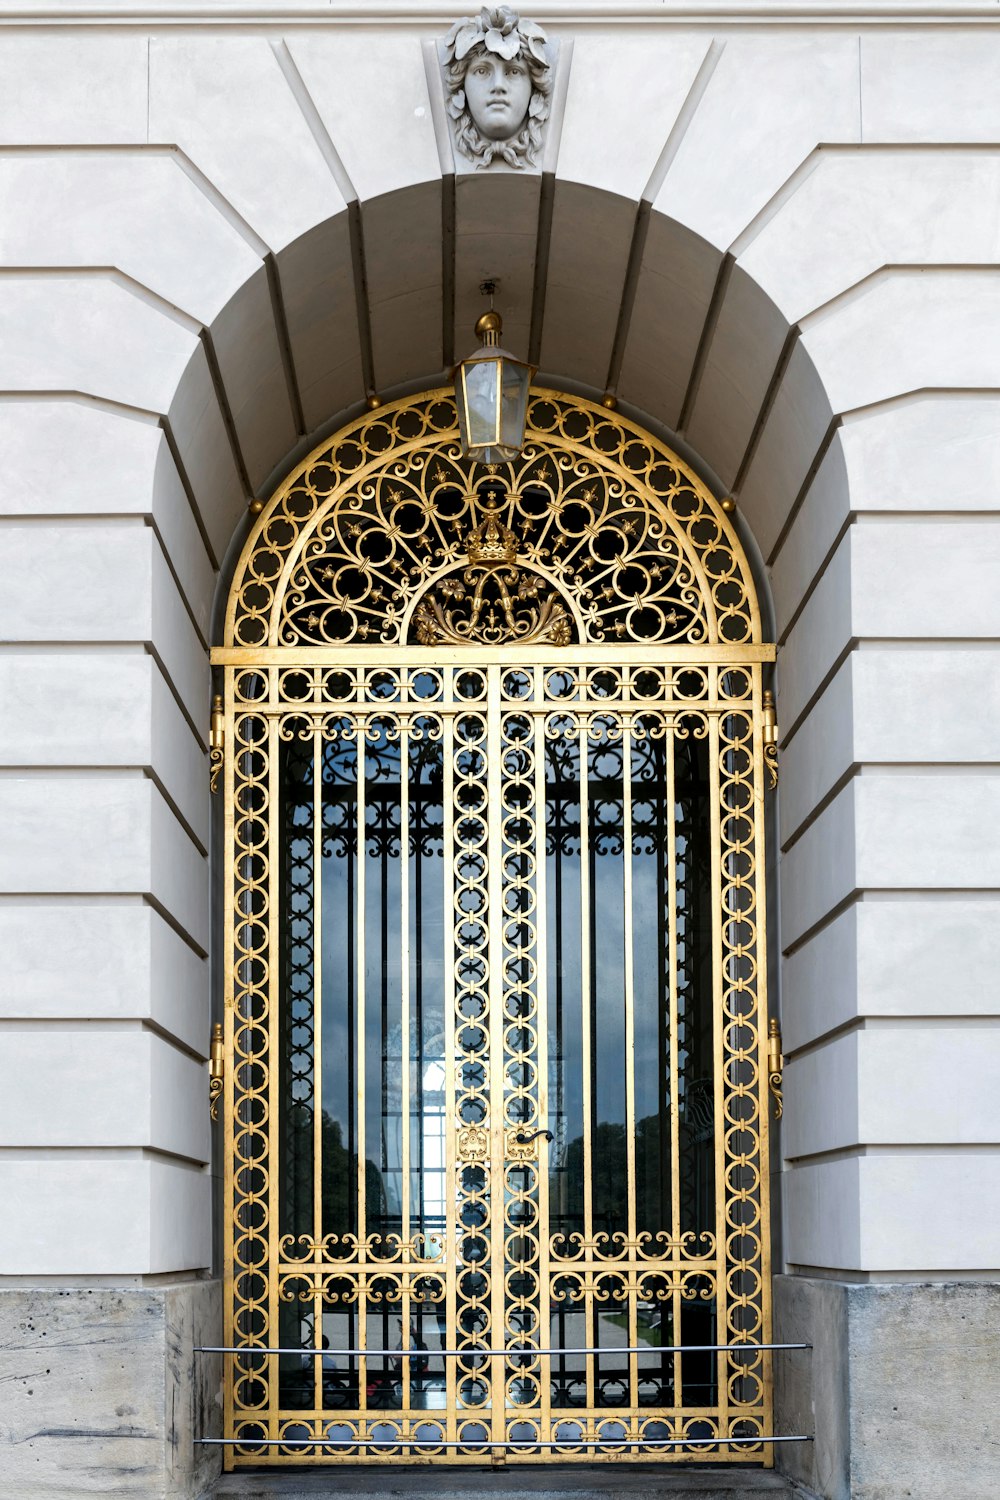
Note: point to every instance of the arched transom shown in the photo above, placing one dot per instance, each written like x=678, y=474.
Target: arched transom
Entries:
x=597, y=533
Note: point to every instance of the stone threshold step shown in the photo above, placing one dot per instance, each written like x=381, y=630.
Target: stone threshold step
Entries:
x=586, y=1482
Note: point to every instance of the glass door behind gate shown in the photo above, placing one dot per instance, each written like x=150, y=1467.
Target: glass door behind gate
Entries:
x=497, y=1047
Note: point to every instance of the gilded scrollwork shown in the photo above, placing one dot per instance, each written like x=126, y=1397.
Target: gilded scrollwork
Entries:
x=347, y=1285
x=610, y=538
x=605, y=1284
x=374, y=1250
x=629, y=739
x=493, y=600
x=662, y=1247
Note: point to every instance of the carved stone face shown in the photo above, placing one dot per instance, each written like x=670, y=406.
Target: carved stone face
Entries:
x=498, y=93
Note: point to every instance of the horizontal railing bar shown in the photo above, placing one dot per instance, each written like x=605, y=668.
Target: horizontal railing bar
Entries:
x=473, y=1445
x=419, y=1353
x=593, y=654
x=405, y=711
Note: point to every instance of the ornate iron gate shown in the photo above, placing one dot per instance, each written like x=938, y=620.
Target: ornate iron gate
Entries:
x=496, y=1124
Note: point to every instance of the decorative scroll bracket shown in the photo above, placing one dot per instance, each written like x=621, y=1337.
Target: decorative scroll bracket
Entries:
x=216, y=743
x=216, y=1069
x=769, y=727
x=775, y=1065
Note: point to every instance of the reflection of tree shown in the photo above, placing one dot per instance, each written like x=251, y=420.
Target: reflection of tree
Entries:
x=609, y=1175
x=382, y=789
x=334, y=848
x=339, y=1181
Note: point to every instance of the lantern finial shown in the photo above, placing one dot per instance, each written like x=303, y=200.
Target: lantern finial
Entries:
x=489, y=327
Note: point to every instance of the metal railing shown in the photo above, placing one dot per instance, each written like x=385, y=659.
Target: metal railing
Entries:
x=475, y=1445
x=509, y=1352
x=471, y=1445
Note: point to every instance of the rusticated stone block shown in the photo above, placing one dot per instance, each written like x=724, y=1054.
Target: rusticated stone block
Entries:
x=898, y=1389
x=103, y=1393
x=922, y=1367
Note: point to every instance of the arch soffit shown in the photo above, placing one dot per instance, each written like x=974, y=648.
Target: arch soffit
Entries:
x=662, y=361
x=744, y=200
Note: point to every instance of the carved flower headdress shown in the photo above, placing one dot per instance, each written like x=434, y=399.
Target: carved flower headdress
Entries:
x=501, y=31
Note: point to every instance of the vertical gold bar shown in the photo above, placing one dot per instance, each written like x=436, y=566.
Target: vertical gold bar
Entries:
x=404, y=1028
x=670, y=756
x=629, y=959
x=273, y=1006
x=229, y=1077
x=359, y=959
x=718, y=1054
x=763, y=1097
x=450, y=1091
x=585, y=1039
x=542, y=1056
x=494, y=844
x=317, y=980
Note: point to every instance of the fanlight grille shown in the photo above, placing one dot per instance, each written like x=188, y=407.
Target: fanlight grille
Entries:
x=595, y=534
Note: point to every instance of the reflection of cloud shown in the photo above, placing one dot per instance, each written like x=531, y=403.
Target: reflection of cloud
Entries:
x=425, y=943
x=608, y=984
x=425, y=935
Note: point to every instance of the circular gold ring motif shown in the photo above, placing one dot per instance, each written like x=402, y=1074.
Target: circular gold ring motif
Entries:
x=494, y=744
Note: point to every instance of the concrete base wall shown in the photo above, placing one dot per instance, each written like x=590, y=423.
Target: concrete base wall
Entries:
x=103, y=1395
x=899, y=1388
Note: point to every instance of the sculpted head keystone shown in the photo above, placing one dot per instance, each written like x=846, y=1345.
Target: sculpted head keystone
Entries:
x=499, y=79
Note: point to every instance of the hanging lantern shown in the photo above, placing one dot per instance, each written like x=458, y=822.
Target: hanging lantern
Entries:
x=491, y=392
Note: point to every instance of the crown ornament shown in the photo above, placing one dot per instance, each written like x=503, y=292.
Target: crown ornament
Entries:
x=491, y=542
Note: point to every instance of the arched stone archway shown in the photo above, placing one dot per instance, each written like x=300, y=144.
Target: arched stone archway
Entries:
x=194, y=289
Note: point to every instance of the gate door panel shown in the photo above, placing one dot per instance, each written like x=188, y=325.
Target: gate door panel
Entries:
x=496, y=1114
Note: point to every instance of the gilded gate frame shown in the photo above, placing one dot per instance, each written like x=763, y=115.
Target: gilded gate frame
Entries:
x=338, y=607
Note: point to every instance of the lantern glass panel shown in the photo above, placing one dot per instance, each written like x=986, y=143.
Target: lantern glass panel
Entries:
x=516, y=379
x=481, y=381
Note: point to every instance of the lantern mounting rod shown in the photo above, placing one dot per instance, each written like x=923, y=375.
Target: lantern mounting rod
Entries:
x=489, y=326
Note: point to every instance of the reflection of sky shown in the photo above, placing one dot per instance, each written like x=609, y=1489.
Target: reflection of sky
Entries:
x=608, y=982
x=426, y=943
x=384, y=945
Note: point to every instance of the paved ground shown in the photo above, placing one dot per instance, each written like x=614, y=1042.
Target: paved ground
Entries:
x=620, y=1482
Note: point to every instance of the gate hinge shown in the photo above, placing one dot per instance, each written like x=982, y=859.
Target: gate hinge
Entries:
x=216, y=1070
x=770, y=737
x=775, y=1064
x=216, y=742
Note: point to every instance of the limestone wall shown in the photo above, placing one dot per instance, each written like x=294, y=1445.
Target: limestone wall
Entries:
x=772, y=235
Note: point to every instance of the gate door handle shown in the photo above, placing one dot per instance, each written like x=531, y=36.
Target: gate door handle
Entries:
x=525, y=1137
